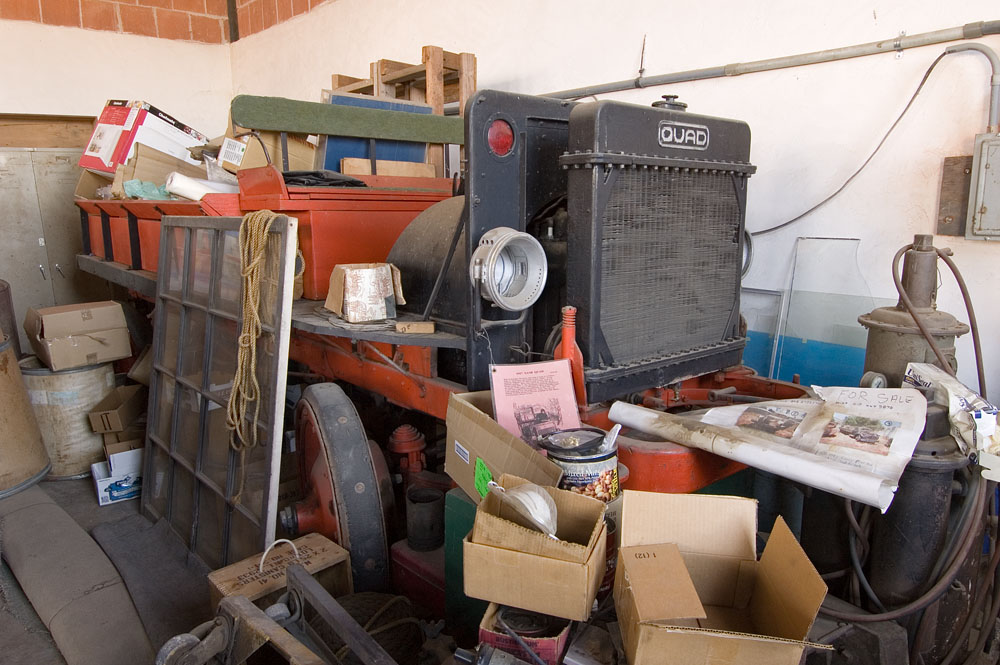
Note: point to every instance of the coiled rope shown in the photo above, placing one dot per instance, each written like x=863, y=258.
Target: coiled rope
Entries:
x=254, y=231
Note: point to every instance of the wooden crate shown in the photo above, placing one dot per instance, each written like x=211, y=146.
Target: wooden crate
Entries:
x=441, y=77
x=328, y=562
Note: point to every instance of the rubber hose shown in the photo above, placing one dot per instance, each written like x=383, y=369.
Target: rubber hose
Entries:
x=935, y=591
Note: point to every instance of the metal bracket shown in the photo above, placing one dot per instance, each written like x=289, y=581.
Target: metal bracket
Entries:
x=897, y=44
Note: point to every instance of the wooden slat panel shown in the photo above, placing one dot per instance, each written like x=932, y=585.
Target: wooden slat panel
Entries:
x=45, y=131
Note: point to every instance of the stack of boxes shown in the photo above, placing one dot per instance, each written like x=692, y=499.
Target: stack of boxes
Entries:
x=688, y=587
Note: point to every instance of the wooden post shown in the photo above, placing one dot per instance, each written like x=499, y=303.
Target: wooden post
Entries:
x=433, y=59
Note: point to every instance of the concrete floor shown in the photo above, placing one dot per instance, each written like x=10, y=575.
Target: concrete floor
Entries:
x=23, y=637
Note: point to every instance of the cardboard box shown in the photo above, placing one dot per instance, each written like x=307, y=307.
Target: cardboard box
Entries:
x=123, y=483
x=89, y=183
x=245, y=152
x=124, y=124
x=512, y=565
x=746, y=611
x=362, y=292
x=479, y=448
x=151, y=165
x=549, y=648
x=119, y=409
x=325, y=560
x=142, y=369
x=70, y=336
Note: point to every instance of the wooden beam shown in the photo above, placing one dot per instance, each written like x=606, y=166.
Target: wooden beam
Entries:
x=407, y=75
x=466, y=80
x=338, y=81
x=45, y=131
x=380, y=87
x=433, y=60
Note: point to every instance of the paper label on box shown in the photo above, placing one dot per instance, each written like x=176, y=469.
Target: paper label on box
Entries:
x=232, y=151
x=462, y=451
x=103, y=142
x=38, y=397
x=130, y=120
x=483, y=477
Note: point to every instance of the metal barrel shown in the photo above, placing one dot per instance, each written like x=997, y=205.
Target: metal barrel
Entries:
x=61, y=402
x=23, y=460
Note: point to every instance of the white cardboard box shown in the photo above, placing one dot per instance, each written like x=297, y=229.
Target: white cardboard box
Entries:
x=122, y=484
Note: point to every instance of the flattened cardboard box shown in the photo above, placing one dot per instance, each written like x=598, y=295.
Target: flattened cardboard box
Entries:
x=361, y=292
x=119, y=409
x=549, y=648
x=71, y=336
x=752, y=612
x=478, y=445
x=510, y=564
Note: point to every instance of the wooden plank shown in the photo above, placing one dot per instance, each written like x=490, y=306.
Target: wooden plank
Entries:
x=45, y=131
x=379, y=87
x=417, y=327
x=407, y=75
x=466, y=80
x=387, y=167
x=363, y=86
x=298, y=117
x=433, y=59
x=324, y=559
x=452, y=61
x=390, y=66
x=338, y=81
x=953, y=203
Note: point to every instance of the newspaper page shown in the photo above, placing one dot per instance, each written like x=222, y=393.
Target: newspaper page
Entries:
x=973, y=419
x=853, y=442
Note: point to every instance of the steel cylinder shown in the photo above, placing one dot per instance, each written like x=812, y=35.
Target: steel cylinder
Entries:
x=909, y=538
x=893, y=336
x=61, y=402
x=424, y=518
x=23, y=460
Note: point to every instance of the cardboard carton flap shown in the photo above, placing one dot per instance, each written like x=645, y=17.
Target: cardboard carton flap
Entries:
x=788, y=591
x=706, y=524
x=82, y=319
x=480, y=439
x=580, y=520
x=660, y=584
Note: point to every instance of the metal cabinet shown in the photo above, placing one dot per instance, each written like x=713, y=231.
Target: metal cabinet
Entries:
x=41, y=231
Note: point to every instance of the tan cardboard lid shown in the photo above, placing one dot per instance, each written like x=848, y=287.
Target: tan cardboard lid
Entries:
x=151, y=165
x=477, y=440
x=79, y=319
x=696, y=523
x=788, y=591
x=580, y=519
x=661, y=587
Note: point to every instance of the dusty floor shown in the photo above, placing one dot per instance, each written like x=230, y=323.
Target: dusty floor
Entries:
x=23, y=637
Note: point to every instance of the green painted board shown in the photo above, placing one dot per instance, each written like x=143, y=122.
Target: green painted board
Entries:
x=278, y=114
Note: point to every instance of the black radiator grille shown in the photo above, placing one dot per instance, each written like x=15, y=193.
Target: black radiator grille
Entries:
x=670, y=262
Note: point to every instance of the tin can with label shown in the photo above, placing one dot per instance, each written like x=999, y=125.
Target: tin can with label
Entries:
x=591, y=470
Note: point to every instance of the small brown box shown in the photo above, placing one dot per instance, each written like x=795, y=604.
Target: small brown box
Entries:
x=119, y=409
x=322, y=558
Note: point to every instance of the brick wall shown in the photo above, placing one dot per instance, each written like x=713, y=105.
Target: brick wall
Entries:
x=189, y=20
x=256, y=15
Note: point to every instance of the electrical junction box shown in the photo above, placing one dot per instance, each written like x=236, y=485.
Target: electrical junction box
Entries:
x=984, y=195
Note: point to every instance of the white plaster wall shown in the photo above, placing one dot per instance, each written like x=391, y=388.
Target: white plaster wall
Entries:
x=812, y=126
x=71, y=71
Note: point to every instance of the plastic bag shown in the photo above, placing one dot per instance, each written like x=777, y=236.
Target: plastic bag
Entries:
x=532, y=503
